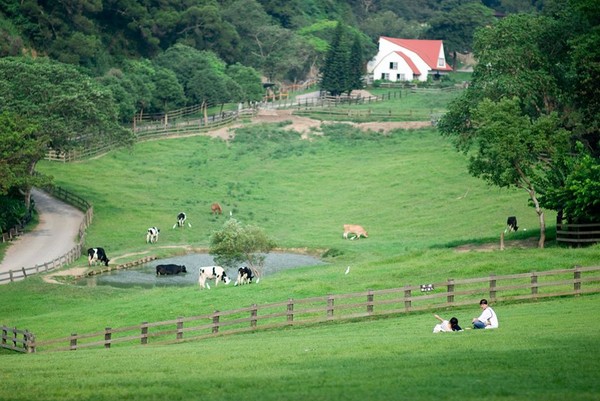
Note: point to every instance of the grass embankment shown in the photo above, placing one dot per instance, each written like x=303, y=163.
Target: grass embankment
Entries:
x=410, y=191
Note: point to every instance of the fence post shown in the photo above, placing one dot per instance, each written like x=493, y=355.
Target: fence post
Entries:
x=407, y=298
x=29, y=342
x=73, y=345
x=534, y=286
x=215, y=328
x=179, y=328
x=492, y=286
x=330, y=307
x=450, y=286
x=253, y=314
x=144, y=336
x=290, y=310
x=577, y=280
x=4, y=334
x=370, y=302
x=107, y=337
x=14, y=337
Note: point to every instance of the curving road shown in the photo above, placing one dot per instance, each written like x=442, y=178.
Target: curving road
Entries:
x=54, y=236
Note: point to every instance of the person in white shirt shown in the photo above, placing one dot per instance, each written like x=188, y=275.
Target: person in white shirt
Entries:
x=445, y=325
x=488, y=318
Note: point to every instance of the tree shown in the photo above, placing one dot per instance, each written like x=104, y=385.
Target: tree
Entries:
x=20, y=149
x=67, y=107
x=236, y=244
x=387, y=23
x=334, y=79
x=578, y=200
x=356, y=68
x=458, y=25
x=510, y=113
x=168, y=92
x=248, y=80
x=514, y=150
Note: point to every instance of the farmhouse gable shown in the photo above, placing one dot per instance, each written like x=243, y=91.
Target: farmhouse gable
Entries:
x=408, y=59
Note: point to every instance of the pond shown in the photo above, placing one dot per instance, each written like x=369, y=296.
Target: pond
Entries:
x=145, y=275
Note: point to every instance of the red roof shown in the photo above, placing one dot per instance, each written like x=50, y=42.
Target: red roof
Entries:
x=428, y=50
x=410, y=63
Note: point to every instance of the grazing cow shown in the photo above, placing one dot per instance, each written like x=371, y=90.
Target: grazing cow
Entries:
x=212, y=272
x=511, y=224
x=181, y=217
x=166, y=270
x=355, y=229
x=215, y=208
x=152, y=235
x=97, y=254
x=245, y=276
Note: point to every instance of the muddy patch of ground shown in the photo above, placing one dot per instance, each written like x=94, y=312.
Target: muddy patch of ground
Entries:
x=495, y=246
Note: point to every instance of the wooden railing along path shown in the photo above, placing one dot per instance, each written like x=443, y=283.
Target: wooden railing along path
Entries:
x=366, y=304
x=75, y=252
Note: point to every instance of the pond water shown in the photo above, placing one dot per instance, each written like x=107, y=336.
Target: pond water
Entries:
x=145, y=275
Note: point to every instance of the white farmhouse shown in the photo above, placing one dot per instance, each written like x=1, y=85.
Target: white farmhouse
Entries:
x=408, y=60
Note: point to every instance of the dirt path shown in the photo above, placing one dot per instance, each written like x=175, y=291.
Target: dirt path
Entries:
x=54, y=236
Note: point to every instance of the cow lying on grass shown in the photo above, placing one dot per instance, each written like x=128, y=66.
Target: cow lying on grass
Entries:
x=355, y=229
x=212, y=272
x=167, y=270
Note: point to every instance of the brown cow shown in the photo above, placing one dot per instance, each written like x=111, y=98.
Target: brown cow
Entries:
x=354, y=229
x=215, y=208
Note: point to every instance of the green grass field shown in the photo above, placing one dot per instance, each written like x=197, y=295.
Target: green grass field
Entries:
x=409, y=189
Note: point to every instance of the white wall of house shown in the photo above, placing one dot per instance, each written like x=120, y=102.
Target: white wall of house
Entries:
x=392, y=67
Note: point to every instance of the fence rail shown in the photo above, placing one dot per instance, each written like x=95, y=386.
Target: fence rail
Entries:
x=19, y=228
x=450, y=293
x=17, y=340
x=75, y=252
x=578, y=234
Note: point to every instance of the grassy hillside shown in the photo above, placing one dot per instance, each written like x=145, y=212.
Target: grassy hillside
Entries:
x=409, y=189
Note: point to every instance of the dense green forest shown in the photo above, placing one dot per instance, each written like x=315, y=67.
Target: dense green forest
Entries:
x=286, y=36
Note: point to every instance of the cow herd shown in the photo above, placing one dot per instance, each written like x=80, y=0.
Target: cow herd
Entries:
x=205, y=274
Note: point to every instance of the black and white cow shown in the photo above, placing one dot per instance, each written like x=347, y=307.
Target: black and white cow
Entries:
x=152, y=235
x=511, y=224
x=97, y=254
x=212, y=272
x=181, y=217
x=164, y=270
x=245, y=276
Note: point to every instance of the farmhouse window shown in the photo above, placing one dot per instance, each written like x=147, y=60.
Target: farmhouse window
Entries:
x=385, y=76
x=393, y=66
x=441, y=62
x=400, y=77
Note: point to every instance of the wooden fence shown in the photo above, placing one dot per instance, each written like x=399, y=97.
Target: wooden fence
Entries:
x=292, y=312
x=17, y=230
x=17, y=340
x=329, y=101
x=75, y=252
x=578, y=234
x=169, y=126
